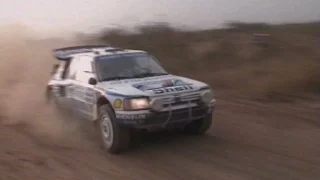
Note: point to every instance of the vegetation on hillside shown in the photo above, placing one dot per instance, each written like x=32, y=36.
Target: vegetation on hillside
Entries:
x=254, y=60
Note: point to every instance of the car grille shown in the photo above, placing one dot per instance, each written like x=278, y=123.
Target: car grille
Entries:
x=178, y=115
x=180, y=99
x=185, y=107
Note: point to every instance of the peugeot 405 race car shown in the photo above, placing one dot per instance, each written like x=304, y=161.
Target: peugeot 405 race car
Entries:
x=122, y=89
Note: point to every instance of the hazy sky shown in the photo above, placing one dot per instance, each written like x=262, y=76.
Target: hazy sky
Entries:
x=84, y=15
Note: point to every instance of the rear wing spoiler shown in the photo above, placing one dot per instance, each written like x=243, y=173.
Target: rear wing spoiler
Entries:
x=66, y=53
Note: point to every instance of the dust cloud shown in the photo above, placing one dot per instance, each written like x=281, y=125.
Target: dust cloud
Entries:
x=24, y=69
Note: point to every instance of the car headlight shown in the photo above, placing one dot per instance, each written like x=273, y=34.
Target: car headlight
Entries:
x=207, y=97
x=136, y=104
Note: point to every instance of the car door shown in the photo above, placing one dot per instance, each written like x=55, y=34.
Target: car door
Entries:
x=58, y=83
x=81, y=92
x=90, y=98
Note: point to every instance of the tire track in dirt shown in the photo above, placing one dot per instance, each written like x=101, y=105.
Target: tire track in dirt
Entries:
x=247, y=141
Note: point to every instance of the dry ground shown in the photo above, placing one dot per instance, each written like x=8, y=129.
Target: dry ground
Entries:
x=248, y=140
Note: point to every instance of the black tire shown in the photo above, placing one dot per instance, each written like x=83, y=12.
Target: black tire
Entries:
x=200, y=126
x=119, y=139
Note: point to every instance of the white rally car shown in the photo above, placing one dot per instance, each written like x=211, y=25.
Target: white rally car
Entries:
x=121, y=90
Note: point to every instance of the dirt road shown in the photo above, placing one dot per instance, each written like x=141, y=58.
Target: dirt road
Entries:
x=247, y=141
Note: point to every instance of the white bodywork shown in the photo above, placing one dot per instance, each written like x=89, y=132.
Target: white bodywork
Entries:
x=81, y=70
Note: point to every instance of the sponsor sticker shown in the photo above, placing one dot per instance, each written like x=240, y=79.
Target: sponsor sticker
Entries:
x=173, y=89
x=131, y=116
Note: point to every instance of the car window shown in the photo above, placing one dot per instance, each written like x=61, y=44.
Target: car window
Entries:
x=58, y=70
x=127, y=65
x=83, y=69
x=72, y=68
x=84, y=64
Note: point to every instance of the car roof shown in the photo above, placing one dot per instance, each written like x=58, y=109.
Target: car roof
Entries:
x=67, y=53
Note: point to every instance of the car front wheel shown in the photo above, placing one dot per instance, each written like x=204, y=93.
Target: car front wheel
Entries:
x=200, y=126
x=114, y=139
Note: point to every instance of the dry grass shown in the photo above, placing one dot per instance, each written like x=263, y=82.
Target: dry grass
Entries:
x=234, y=60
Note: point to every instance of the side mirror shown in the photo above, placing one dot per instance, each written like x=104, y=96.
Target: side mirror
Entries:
x=93, y=81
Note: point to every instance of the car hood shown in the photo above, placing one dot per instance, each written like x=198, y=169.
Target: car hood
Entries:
x=151, y=86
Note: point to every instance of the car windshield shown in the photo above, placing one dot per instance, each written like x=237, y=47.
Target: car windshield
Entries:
x=126, y=66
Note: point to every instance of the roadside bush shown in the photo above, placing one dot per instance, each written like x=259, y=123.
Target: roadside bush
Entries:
x=232, y=59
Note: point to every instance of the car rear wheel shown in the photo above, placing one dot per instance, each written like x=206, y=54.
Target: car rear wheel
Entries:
x=114, y=139
x=200, y=126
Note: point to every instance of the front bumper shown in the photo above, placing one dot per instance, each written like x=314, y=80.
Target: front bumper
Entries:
x=150, y=119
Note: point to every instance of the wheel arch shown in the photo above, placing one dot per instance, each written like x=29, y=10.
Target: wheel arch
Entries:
x=101, y=100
